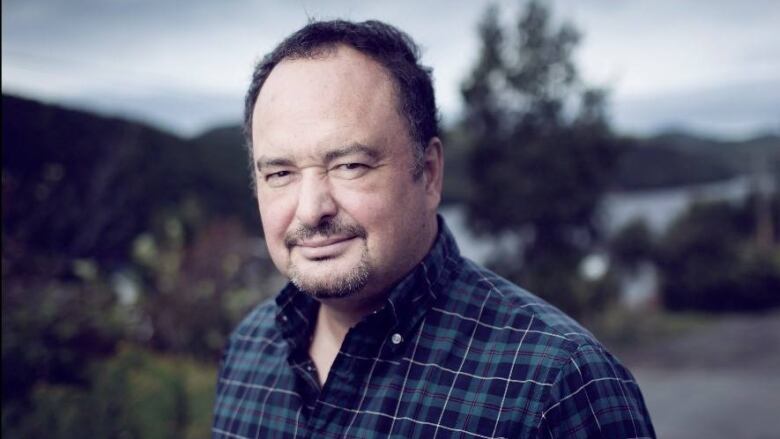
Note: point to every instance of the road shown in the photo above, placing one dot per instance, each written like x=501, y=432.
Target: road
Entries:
x=722, y=381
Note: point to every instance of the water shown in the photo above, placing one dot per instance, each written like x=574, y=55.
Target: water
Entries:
x=657, y=207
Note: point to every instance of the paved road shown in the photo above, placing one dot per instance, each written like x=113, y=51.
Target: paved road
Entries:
x=712, y=404
x=718, y=382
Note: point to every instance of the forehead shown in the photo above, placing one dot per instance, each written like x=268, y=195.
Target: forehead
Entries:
x=340, y=97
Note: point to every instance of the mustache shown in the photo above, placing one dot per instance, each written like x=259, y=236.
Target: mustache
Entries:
x=325, y=229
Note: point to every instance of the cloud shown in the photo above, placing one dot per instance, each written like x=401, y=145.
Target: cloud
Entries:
x=122, y=54
x=734, y=110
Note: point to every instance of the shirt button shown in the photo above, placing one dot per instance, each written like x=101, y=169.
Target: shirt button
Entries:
x=396, y=338
x=284, y=319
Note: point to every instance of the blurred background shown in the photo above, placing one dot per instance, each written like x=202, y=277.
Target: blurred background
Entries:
x=620, y=159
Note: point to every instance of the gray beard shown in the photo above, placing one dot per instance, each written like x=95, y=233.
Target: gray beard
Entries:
x=345, y=285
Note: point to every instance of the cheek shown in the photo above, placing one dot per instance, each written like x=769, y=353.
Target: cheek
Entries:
x=274, y=218
x=276, y=212
x=367, y=205
x=385, y=210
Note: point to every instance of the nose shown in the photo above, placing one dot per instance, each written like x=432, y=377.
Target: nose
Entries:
x=315, y=200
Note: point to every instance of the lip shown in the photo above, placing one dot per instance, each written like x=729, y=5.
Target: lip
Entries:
x=324, y=247
x=323, y=242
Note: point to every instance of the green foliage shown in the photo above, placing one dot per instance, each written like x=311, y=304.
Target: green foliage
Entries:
x=710, y=260
x=196, y=293
x=133, y=395
x=541, y=151
x=52, y=331
x=91, y=197
x=116, y=233
x=633, y=245
x=457, y=185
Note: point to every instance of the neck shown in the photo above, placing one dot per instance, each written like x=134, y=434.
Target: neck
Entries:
x=337, y=316
x=334, y=320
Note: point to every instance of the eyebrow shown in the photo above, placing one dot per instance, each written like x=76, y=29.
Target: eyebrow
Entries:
x=264, y=162
x=354, y=148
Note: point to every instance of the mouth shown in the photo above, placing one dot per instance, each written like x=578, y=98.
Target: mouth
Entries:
x=324, y=248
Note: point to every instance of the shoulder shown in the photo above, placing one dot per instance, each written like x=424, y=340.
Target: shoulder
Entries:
x=581, y=389
x=594, y=395
x=486, y=310
x=482, y=294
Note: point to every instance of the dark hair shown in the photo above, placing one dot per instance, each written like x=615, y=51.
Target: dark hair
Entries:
x=385, y=44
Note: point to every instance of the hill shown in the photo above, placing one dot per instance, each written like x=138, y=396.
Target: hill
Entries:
x=84, y=186
x=678, y=158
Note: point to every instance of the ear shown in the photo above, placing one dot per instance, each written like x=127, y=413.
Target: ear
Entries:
x=433, y=171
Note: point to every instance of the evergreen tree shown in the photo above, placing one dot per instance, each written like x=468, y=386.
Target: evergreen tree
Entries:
x=541, y=153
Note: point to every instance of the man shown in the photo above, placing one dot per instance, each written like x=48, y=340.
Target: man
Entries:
x=385, y=330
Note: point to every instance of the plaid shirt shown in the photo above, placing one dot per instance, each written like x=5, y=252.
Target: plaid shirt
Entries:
x=457, y=351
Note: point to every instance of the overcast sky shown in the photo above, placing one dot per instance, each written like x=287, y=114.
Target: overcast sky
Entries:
x=711, y=66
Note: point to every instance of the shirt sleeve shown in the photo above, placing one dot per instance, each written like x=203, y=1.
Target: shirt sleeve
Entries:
x=594, y=396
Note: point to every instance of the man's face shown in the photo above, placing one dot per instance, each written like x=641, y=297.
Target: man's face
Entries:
x=341, y=211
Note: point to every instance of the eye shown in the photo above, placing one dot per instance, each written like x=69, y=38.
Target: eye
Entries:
x=277, y=174
x=350, y=170
x=279, y=178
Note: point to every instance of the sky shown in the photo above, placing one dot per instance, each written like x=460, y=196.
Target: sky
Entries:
x=707, y=66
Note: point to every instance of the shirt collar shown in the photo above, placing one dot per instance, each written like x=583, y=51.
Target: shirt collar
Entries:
x=406, y=304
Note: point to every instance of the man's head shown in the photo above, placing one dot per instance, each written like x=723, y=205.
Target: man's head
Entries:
x=388, y=46
x=342, y=124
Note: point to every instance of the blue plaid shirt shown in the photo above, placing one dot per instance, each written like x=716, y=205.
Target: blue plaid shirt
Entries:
x=457, y=351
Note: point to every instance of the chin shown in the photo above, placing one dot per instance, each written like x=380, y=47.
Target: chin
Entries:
x=332, y=287
x=331, y=278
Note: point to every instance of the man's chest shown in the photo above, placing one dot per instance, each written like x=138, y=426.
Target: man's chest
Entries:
x=434, y=384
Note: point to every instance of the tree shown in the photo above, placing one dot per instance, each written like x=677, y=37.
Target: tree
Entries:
x=709, y=260
x=541, y=152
